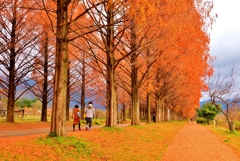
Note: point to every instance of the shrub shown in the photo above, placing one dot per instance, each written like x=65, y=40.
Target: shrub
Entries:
x=201, y=120
x=208, y=111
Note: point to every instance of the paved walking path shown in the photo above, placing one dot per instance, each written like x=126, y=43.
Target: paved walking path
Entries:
x=196, y=143
x=25, y=132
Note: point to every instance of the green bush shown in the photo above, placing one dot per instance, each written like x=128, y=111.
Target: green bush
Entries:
x=208, y=111
x=201, y=120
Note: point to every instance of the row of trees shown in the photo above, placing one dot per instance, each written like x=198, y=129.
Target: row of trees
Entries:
x=116, y=51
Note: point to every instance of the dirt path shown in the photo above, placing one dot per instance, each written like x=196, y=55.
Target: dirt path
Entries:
x=196, y=143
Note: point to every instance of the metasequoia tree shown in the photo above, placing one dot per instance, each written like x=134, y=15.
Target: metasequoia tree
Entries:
x=142, y=29
x=111, y=117
x=85, y=86
x=107, y=63
x=148, y=88
x=65, y=32
x=42, y=74
x=175, y=82
x=71, y=80
x=166, y=78
x=58, y=120
x=105, y=58
x=122, y=100
x=17, y=50
x=76, y=32
x=171, y=22
x=127, y=81
x=43, y=70
x=176, y=85
x=84, y=81
x=112, y=29
x=183, y=64
x=223, y=89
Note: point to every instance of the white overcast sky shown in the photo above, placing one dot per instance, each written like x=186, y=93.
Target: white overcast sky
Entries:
x=225, y=33
x=225, y=36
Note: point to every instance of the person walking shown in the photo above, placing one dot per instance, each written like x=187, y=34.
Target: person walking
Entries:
x=76, y=118
x=154, y=117
x=90, y=112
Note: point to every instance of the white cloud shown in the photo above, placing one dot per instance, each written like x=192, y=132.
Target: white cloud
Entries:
x=225, y=34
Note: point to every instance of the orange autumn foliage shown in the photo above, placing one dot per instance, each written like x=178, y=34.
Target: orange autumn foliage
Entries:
x=161, y=47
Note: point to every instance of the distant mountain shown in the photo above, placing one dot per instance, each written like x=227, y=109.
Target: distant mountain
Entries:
x=29, y=95
x=223, y=105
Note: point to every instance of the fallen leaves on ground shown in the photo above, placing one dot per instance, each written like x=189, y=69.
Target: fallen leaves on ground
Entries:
x=140, y=142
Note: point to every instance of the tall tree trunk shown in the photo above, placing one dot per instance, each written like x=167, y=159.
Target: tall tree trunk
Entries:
x=58, y=120
x=11, y=85
x=11, y=92
x=148, y=108
x=148, y=89
x=163, y=113
x=158, y=110
x=135, y=107
x=83, y=86
x=163, y=118
x=141, y=111
x=169, y=115
x=230, y=125
x=111, y=99
x=134, y=78
x=68, y=94
x=45, y=81
x=124, y=112
x=111, y=119
x=130, y=113
x=118, y=112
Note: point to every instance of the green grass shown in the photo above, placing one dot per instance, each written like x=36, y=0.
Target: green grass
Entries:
x=61, y=145
x=95, y=121
x=113, y=129
x=99, y=121
x=37, y=118
x=25, y=118
x=237, y=125
x=139, y=142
